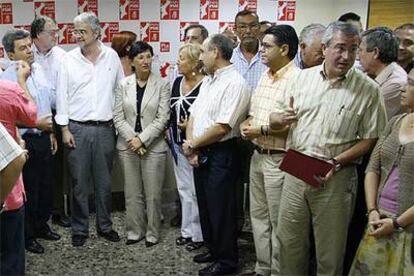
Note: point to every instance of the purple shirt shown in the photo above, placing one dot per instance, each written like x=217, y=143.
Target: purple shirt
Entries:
x=389, y=197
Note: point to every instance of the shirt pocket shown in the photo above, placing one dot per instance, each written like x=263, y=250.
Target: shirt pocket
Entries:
x=345, y=125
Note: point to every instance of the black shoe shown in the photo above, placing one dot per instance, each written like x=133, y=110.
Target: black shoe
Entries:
x=130, y=241
x=191, y=246
x=61, y=220
x=217, y=269
x=49, y=235
x=182, y=241
x=110, y=236
x=34, y=247
x=203, y=258
x=78, y=240
x=150, y=244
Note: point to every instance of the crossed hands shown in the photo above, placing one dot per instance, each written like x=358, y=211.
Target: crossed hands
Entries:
x=190, y=153
x=137, y=146
x=379, y=227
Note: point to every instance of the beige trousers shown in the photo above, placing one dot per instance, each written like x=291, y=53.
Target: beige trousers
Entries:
x=144, y=177
x=266, y=182
x=328, y=209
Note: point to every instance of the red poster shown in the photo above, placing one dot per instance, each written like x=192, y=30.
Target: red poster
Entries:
x=46, y=8
x=286, y=10
x=164, y=47
x=250, y=5
x=66, y=33
x=24, y=27
x=108, y=30
x=128, y=9
x=183, y=26
x=150, y=31
x=209, y=9
x=88, y=6
x=164, y=68
x=6, y=13
x=169, y=9
x=226, y=25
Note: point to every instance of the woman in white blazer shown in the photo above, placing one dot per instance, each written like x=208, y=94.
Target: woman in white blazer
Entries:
x=141, y=115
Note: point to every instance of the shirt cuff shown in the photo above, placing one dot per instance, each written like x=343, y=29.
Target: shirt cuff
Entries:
x=62, y=120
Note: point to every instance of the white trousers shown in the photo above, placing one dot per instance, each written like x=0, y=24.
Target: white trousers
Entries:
x=190, y=223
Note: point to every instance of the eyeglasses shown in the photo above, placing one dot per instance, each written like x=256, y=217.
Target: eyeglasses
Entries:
x=53, y=32
x=79, y=32
x=253, y=26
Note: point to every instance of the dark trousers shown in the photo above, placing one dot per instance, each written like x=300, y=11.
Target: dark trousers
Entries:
x=215, y=183
x=12, y=258
x=91, y=160
x=39, y=182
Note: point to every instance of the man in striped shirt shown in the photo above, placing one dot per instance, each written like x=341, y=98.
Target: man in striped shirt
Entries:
x=336, y=114
x=279, y=47
x=211, y=147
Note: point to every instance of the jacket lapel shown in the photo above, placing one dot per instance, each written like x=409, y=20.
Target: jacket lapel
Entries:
x=149, y=92
x=132, y=93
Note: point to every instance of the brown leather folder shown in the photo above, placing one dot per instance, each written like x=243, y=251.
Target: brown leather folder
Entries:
x=304, y=167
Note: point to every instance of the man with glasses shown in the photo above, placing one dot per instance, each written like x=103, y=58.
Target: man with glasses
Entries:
x=45, y=35
x=335, y=113
x=85, y=98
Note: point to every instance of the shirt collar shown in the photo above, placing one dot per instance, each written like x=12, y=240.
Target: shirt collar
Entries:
x=281, y=72
x=239, y=52
x=325, y=77
x=37, y=52
x=385, y=73
x=221, y=72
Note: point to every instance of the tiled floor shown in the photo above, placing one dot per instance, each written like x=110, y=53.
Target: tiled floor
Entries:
x=99, y=257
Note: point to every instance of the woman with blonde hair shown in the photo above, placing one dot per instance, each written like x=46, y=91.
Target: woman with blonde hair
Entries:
x=184, y=92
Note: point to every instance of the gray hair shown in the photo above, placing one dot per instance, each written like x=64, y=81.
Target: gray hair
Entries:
x=338, y=26
x=385, y=40
x=11, y=36
x=222, y=43
x=91, y=19
x=310, y=32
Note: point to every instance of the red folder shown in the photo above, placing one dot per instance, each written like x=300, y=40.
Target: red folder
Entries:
x=304, y=167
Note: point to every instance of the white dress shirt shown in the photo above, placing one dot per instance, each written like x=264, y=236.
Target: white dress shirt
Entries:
x=50, y=63
x=86, y=91
x=223, y=99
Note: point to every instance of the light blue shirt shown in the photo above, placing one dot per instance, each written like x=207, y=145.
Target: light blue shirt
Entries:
x=252, y=71
x=39, y=89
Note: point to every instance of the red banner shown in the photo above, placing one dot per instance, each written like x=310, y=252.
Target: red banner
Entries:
x=6, y=13
x=226, y=25
x=128, y=9
x=88, y=6
x=150, y=31
x=250, y=5
x=66, y=33
x=169, y=9
x=46, y=8
x=286, y=10
x=108, y=30
x=209, y=9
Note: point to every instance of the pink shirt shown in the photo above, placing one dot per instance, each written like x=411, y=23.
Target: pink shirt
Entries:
x=15, y=109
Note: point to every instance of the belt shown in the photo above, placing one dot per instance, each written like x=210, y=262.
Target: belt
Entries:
x=261, y=150
x=109, y=123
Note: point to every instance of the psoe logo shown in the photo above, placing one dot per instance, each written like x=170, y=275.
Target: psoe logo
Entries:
x=209, y=9
x=250, y=5
x=88, y=6
x=128, y=9
x=108, y=30
x=169, y=9
x=150, y=31
x=46, y=8
x=66, y=33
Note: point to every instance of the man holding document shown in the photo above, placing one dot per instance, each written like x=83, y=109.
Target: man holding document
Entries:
x=336, y=114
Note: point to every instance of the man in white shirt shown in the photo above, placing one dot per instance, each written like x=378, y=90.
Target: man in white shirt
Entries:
x=85, y=99
x=44, y=34
x=211, y=147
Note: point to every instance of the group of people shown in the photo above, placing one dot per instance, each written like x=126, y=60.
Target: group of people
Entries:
x=232, y=110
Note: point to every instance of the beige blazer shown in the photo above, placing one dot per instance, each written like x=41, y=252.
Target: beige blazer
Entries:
x=155, y=112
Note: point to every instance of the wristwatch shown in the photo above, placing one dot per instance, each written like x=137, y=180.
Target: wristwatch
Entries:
x=337, y=165
x=396, y=225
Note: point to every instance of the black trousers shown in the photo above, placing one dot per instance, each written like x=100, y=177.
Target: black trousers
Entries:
x=38, y=181
x=12, y=253
x=215, y=183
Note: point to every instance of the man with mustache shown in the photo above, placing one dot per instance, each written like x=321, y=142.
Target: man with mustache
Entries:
x=405, y=33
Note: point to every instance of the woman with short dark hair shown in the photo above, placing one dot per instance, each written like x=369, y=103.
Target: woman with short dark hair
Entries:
x=141, y=115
